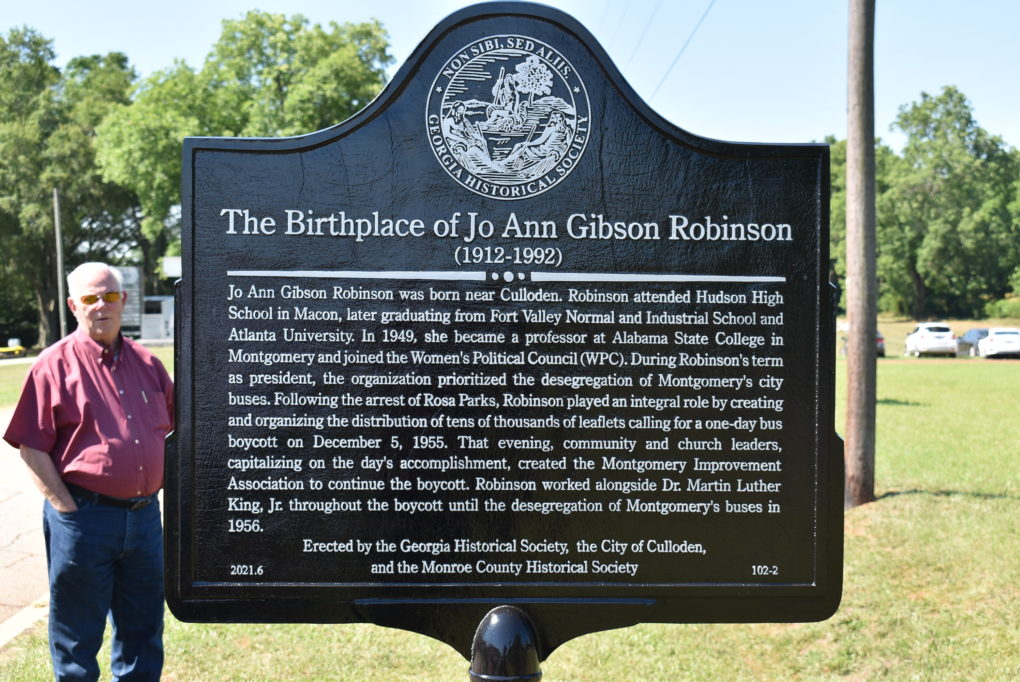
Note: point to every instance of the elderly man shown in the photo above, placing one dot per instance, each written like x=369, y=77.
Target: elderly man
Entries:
x=90, y=425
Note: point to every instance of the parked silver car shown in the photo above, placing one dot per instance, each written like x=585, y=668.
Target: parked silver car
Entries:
x=931, y=338
x=968, y=343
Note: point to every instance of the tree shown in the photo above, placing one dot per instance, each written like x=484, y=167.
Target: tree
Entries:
x=886, y=162
x=948, y=213
x=101, y=216
x=139, y=147
x=47, y=133
x=27, y=116
x=949, y=241
x=534, y=78
x=274, y=75
x=267, y=75
x=837, y=216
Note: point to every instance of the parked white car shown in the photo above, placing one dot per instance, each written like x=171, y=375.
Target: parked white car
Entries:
x=999, y=342
x=931, y=338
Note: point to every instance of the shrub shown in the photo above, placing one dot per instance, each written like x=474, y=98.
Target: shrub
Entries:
x=1006, y=307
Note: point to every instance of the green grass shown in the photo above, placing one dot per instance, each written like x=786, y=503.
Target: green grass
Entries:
x=12, y=375
x=932, y=576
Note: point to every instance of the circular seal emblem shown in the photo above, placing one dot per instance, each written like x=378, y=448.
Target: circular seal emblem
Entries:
x=508, y=117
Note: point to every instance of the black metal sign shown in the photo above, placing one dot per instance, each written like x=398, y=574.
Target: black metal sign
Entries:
x=504, y=337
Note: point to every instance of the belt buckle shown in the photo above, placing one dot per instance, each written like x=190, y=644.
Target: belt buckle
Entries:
x=140, y=504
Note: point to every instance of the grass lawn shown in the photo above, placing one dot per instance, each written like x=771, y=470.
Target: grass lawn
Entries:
x=12, y=375
x=932, y=574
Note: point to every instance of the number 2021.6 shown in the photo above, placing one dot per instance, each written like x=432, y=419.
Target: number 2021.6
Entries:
x=245, y=569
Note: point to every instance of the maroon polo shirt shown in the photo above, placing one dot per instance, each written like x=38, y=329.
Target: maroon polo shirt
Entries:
x=102, y=418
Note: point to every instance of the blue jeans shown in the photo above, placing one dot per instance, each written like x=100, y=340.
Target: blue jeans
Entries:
x=105, y=561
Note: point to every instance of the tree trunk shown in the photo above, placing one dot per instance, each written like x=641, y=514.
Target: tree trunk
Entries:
x=46, y=302
x=861, y=281
x=919, y=304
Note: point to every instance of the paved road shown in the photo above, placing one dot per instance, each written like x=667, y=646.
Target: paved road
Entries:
x=23, y=584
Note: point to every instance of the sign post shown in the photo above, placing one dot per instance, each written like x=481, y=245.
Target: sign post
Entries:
x=504, y=338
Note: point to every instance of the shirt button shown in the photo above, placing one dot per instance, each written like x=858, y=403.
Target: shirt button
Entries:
x=141, y=468
x=122, y=391
x=136, y=441
x=129, y=416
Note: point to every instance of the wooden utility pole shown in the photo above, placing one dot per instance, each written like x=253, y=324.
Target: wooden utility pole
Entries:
x=61, y=302
x=862, y=307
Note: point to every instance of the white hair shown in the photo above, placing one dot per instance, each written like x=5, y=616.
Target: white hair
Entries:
x=80, y=272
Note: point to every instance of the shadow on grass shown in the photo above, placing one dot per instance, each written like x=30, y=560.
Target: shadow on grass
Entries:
x=899, y=403
x=949, y=493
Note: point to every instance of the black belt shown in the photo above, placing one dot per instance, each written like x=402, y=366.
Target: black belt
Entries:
x=100, y=498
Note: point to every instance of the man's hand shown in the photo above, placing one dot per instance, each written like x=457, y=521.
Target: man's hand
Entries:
x=47, y=480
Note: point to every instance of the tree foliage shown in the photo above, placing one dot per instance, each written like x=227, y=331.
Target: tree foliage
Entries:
x=268, y=75
x=534, y=78
x=950, y=210
x=112, y=147
x=273, y=75
x=139, y=147
x=27, y=112
x=48, y=121
x=948, y=224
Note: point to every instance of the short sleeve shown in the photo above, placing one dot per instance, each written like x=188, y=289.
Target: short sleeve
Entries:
x=33, y=422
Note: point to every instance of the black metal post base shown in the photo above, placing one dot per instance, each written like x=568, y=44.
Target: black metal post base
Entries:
x=505, y=647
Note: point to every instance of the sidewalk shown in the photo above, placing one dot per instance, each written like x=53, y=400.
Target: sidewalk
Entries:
x=23, y=584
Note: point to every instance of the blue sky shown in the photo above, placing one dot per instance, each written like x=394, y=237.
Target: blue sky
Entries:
x=754, y=70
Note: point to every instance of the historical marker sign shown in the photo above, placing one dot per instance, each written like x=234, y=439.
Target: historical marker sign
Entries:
x=504, y=337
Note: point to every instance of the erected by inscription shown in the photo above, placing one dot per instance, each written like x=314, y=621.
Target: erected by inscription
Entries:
x=504, y=337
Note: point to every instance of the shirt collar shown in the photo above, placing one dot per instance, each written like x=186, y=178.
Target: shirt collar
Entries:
x=96, y=350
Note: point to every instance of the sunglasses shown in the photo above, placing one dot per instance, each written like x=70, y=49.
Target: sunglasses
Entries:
x=109, y=297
